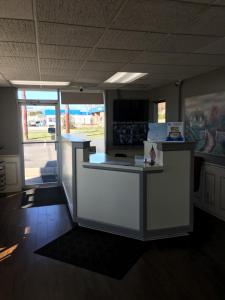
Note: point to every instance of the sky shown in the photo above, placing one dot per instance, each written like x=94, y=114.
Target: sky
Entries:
x=39, y=95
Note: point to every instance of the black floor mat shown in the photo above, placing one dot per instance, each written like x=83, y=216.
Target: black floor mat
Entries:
x=49, y=178
x=43, y=197
x=94, y=250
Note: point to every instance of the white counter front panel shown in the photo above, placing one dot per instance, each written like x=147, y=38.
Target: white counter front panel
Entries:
x=107, y=196
x=168, y=193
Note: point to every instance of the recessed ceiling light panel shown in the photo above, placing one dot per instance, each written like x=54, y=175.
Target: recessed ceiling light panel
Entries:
x=125, y=77
x=45, y=83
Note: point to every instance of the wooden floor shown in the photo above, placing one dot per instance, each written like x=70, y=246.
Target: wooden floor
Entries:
x=190, y=268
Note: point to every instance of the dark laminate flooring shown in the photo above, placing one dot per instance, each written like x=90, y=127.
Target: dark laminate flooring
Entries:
x=170, y=269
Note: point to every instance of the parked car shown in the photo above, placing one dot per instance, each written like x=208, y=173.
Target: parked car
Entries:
x=32, y=123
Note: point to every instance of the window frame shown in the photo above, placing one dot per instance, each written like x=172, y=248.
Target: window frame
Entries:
x=36, y=101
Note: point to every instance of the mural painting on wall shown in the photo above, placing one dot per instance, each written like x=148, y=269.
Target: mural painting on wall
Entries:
x=205, y=123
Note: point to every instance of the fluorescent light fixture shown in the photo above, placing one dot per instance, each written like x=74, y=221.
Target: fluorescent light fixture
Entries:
x=46, y=83
x=125, y=77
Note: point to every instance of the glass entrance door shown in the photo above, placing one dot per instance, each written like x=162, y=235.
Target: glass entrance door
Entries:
x=39, y=144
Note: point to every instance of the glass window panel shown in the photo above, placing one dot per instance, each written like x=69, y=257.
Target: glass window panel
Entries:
x=161, y=112
x=40, y=163
x=37, y=95
x=85, y=121
x=38, y=123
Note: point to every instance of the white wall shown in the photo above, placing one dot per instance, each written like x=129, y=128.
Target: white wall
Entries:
x=170, y=93
x=207, y=83
x=9, y=132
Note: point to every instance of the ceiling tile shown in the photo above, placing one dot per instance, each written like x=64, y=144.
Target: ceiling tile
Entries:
x=77, y=85
x=102, y=66
x=62, y=52
x=17, y=31
x=113, y=55
x=110, y=86
x=177, y=43
x=79, y=12
x=60, y=64
x=159, y=58
x=180, y=59
x=17, y=49
x=219, y=2
x=203, y=60
x=145, y=80
x=211, y=22
x=135, y=86
x=162, y=76
x=130, y=40
x=68, y=35
x=155, y=84
x=19, y=63
x=55, y=75
x=158, y=15
x=211, y=2
x=159, y=81
x=182, y=71
x=11, y=74
x=218, y=47
x=16, y=9
x=92, y=76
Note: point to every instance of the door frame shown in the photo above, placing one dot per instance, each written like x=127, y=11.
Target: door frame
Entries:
x=56, y=104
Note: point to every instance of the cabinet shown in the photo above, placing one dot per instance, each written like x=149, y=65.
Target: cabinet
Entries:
x=211, y=195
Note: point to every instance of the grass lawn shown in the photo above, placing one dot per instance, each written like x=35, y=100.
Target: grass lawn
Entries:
x=41, y=134
x=93, y=131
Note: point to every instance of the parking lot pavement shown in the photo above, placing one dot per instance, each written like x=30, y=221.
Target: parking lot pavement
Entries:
x=39, y=160
x=40, y=155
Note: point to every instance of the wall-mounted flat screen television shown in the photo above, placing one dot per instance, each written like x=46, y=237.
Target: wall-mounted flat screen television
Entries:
x=130, y=110
x=129, y=133
x=130, y=121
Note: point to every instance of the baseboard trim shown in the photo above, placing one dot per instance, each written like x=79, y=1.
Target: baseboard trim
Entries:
x=114, y=229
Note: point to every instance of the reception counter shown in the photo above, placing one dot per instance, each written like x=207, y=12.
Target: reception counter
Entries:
x=127, y=196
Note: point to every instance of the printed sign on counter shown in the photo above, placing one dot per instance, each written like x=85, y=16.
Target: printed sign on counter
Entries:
x=175, y=132
x=166, y=132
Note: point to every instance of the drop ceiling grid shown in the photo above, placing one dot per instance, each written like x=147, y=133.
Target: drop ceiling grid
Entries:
x=12, y=30
x=60, y=64
x=23, y=74
x=125, y=45
x=18, y=62
x=218, y=47
x=95, y=13
x=93, y=76
x=16, y=9
x=64, y=52
x=17, y=49
x=159, y=16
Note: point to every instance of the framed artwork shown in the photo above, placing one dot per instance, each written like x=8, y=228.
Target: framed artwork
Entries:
x=205, y=123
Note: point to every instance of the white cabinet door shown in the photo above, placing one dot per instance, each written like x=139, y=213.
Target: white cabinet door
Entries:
x=213, y=190
x=209, y=190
